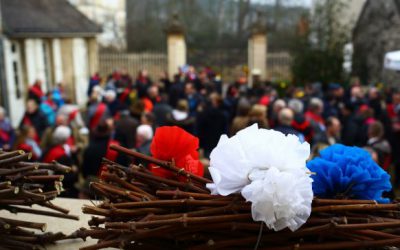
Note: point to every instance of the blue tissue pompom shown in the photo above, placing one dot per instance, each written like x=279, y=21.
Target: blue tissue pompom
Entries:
x=349, y=172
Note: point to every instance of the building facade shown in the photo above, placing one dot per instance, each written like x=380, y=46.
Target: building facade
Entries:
x=44, y=40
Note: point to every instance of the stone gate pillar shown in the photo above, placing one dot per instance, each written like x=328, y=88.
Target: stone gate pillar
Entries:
x=257, y=50
x=176, y=45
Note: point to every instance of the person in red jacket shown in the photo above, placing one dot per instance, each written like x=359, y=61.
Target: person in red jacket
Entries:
x=300, y=123
x=35, y=91
x=314, y=116
x=60, y=151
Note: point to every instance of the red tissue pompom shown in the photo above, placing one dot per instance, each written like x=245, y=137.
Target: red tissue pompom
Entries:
x=173, y=143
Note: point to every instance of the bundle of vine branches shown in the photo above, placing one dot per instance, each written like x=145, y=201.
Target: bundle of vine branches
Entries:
x=144, y=211
x=23, y=184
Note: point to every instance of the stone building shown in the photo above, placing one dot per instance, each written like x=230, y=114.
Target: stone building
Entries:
x=376, y=32
x=110, y=15
x=49, y=40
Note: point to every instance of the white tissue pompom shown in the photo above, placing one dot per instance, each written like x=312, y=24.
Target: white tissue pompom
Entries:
x=269, y=170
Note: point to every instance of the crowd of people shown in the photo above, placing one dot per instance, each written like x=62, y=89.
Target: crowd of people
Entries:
x=126, y=111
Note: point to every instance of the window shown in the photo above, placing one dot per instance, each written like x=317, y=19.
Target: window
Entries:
x=16, y=80
x=46, y=61
x=16, y=68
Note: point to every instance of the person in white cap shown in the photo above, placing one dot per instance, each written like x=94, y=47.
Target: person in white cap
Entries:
x=110, y=98
x=61, y=152
x=59, y=149
x=144, y=135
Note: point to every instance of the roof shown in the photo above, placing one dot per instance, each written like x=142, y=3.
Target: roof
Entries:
x=45, y=18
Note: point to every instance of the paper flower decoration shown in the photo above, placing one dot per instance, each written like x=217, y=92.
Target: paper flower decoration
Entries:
x=175, y=144
x=348, y=172
x=269, y=170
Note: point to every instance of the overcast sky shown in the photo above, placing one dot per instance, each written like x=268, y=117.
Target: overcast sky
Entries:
x=306, y=3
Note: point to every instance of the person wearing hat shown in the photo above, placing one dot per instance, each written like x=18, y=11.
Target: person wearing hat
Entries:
x=59, y=149
x=60, y=152
x=76, y=123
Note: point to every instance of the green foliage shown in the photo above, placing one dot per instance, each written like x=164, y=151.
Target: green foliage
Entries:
x=312, y=64
x=209, y=24
x=318, y=53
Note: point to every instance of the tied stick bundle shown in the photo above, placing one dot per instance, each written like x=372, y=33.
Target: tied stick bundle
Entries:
x=23, y=184
x=144, y=211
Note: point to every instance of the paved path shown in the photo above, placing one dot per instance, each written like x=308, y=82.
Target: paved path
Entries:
x=60, y=225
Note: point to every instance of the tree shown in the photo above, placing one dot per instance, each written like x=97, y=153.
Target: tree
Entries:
x=209, y=24
x=318, y=51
